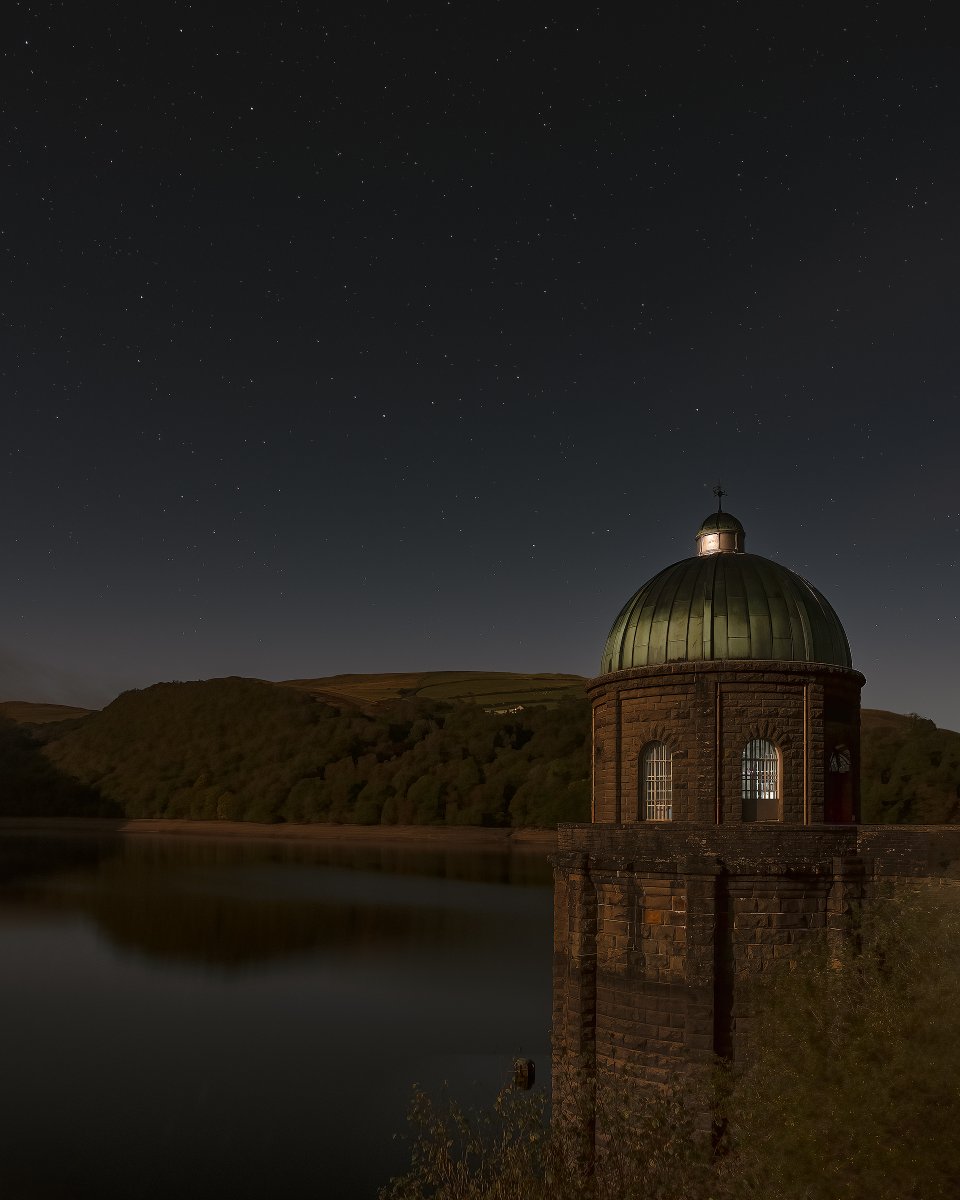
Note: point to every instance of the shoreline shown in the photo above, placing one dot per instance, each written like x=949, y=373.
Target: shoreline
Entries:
x=449, y=836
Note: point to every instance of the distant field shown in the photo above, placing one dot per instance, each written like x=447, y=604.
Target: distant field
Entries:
x=27, y=713
x=487, y=688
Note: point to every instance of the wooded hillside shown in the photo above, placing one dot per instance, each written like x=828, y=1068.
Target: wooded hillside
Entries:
x=389, y=751
x=910, y=771
x=239, y=749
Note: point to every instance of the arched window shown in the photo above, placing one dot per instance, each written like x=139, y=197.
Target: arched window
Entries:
x=656, y=783
x=760, y=781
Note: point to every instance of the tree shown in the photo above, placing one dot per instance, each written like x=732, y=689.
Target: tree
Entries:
x=854, y=1087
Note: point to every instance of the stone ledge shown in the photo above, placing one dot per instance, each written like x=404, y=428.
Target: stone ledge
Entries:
x=720, y=666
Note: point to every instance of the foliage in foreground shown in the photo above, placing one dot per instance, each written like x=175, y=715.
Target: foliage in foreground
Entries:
x=853, y=1091
x=855, y=1085
x=513, y=1151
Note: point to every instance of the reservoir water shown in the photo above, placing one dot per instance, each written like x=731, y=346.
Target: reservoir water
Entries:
x=201, y=1018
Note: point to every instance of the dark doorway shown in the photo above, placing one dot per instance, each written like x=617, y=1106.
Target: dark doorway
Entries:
x=838, y=801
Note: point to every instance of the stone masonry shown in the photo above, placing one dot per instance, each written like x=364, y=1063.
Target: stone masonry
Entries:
x=705, y=713
x=659, y=927
x=726, y=795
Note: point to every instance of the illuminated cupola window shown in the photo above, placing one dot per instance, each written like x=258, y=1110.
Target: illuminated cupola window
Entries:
x=720, y=533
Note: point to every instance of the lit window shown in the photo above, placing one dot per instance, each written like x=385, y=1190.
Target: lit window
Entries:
x=760, y=777
x=657, y=783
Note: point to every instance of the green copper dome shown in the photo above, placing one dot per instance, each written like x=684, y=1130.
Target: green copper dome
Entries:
x=725, y=604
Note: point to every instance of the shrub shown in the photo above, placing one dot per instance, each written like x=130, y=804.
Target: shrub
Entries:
x=851, y=1091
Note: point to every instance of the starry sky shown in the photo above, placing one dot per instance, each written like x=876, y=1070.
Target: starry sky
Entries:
x=391, y=337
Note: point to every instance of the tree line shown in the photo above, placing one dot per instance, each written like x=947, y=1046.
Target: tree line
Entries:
x=244, y=750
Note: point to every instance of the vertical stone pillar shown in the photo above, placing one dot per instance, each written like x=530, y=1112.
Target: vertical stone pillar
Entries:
x=855, y=759
x=618, y=777
x=845, y=897
x=701, y=877
x=575, y=1000
x=816, y=767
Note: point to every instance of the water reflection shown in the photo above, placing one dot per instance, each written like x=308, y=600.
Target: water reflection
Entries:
x=237, y=903
x=245, y=1019
x=25, y=856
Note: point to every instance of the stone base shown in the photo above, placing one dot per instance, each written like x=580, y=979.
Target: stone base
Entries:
x=658, y=930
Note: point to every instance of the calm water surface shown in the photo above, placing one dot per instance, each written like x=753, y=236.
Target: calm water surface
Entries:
x=202, y=1019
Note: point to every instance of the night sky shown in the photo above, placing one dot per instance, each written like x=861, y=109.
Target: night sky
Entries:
x=382, y=338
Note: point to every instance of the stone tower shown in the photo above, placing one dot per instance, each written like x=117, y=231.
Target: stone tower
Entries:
x=727, y=697
x=726, y=758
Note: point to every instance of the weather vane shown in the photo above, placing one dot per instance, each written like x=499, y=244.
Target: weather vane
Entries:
x=719, y=493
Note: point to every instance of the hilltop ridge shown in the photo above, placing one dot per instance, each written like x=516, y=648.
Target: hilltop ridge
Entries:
x=489, y=688
x=29, y=712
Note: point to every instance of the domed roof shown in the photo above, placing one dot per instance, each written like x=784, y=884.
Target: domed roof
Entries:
x=725, y=604
x=720, y=522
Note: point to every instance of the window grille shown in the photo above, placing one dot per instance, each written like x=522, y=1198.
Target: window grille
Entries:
x=760, y=770
x=657, y=783
x=840, y=760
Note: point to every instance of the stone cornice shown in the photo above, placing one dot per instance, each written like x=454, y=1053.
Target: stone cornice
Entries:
x=749, y=668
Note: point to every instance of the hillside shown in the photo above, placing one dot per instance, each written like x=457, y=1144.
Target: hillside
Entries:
x=431, y=747
x=32, y=785
x=26, y=712
x=910, y=770
x=241, y=749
